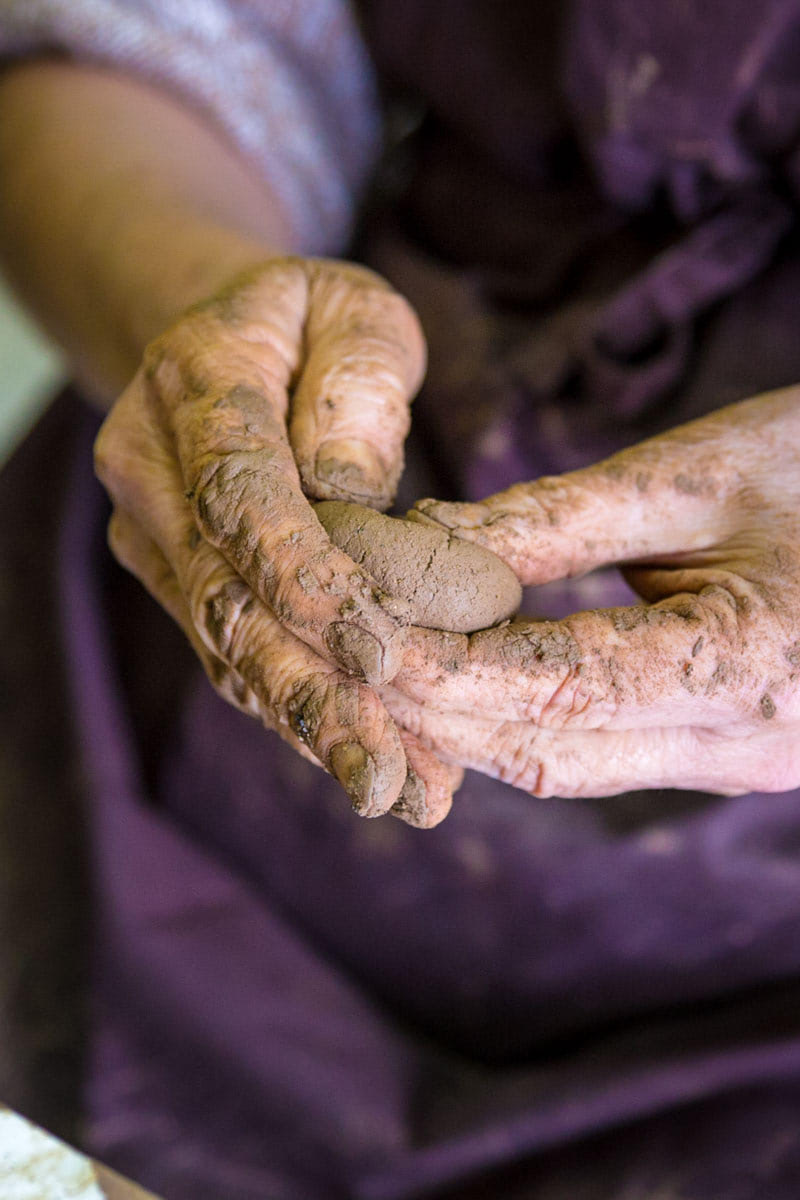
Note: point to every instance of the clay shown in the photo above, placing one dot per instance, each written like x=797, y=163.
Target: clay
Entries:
x=447, y=583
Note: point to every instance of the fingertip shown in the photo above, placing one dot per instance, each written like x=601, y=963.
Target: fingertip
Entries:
x=364, y=655
x=350, y=469
x=423, y=805
x=427, y=794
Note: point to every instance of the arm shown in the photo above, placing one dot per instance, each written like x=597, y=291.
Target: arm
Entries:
x=119, y=208
x=293, y=376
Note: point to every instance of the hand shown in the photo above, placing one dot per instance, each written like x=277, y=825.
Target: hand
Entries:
x=296, y=378
x=699, y=687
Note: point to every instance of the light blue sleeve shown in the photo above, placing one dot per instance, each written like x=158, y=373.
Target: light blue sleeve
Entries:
x=288, y=80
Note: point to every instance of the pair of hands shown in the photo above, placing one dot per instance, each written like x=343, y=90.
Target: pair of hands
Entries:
x=295, y=381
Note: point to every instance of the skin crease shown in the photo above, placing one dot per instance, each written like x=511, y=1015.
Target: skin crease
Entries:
x=699, y=687
x=207, y=461
x=291, y=377
x=197, y=453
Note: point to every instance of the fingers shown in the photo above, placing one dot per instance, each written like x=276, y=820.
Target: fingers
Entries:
x=139, y=555
x=221, y=390
x=672, y=494
x=426, y=796
x=669, y=664
x=604, y=763
x=350, y=409
x=341, y=721
x=564, y=526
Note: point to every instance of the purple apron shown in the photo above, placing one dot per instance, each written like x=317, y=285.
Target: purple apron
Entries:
x=558, y=999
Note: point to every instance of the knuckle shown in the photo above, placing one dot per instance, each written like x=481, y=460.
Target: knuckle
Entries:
x=214, y=494
x=231, y=687
x=219, y=496
x=307, y=707
x=518, y=760
x=569, y=704
x=689, y=609
x=566, y=686
x=243, y=503
x=729, y=605
x=222, y=610
x=106, y=453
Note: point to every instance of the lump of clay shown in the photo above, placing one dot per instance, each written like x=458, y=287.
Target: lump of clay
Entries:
x=448, y=583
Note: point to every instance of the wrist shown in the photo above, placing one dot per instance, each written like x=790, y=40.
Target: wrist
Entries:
x=174, y=260
x=158, y=266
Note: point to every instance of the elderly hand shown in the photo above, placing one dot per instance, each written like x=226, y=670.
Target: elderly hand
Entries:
x=698, y=687
x=294, y=380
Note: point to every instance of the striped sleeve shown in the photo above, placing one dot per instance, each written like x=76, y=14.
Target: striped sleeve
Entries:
x=289, y=81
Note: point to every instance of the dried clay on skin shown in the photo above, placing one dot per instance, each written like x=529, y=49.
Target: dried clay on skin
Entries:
x=448, y=583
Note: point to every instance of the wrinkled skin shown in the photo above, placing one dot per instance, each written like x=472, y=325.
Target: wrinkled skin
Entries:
x=295, y=380
x=699, y=687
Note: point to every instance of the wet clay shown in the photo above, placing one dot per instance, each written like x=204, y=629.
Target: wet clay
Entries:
x=447, y=583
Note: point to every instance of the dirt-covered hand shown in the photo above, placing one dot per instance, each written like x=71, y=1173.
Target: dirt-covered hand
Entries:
x=697, y=687
x=293, y=381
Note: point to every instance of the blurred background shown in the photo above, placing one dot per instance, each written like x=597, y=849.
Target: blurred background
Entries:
x=30, y=372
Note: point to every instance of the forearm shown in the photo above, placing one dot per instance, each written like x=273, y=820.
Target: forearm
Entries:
x=119, y=207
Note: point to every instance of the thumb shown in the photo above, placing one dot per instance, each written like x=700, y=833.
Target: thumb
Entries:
x=350, y=410
x=662, y=497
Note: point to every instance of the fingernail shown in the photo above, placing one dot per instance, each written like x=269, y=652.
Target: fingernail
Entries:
x=355, y=770
x=351, y=467
x=420, y=516
x=411, y=805
x=357, y=651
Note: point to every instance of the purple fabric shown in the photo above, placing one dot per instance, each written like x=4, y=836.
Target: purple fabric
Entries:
x=559, y=999
x=685, y=96
x=292, y=1003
